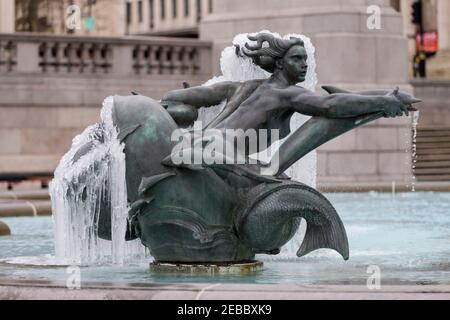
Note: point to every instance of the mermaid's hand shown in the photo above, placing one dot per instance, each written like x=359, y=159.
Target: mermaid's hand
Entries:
x=406, y=99
x=399, y=103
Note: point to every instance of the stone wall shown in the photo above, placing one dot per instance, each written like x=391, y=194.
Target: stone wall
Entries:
x=47, y=99
x=377, y=153
x=40, y=117
x=435, y=110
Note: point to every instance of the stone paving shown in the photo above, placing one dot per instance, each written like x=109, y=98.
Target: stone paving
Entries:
x=134, y=291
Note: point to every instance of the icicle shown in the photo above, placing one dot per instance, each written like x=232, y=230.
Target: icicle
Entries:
x=415, y=122
x=77, y=191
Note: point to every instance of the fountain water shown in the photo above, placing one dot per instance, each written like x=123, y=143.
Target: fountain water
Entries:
x=76, y=193
x=415, y=122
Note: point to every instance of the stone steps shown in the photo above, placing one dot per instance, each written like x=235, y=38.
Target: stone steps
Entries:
x=433, y=145
x=433, y=154
x=433, y=164
x=425, y=151
x=434, y=157
x=435, y=178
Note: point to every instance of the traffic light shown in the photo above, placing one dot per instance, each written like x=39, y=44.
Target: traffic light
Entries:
x=417, y=12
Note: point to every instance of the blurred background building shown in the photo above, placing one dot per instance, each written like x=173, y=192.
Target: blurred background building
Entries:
x=60, y=58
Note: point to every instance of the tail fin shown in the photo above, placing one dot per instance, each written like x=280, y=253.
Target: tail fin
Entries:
x=324, y=226
x=329, y=233
x=269, y=217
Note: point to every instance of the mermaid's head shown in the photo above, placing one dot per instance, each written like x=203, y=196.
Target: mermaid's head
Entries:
x=273, y=54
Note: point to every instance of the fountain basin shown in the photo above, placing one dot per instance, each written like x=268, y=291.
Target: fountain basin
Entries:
x=406, y=235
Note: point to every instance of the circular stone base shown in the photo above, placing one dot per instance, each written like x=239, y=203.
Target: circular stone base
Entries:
x=213, y=268
x=4, y=229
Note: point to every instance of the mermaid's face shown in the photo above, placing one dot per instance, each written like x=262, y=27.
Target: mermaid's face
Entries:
x=294, y=64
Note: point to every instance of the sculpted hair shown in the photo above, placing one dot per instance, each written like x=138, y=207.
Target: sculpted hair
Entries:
x=266, y=57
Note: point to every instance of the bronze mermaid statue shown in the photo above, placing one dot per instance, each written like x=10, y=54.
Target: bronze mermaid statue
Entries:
x=228, y=213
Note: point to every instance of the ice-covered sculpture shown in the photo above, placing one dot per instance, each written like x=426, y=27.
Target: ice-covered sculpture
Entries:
x=123, y=181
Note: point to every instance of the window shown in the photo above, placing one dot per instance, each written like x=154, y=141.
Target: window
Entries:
x=151, y=13
x=174, y=8
x=199, y=10
x=140, y=14
x=396, y=4
x=129, y=12
x=186, y=8
x=163, y=9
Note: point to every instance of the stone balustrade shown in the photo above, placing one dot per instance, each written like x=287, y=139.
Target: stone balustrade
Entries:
x=52, y=87
x=94, y=55
x=8, y=55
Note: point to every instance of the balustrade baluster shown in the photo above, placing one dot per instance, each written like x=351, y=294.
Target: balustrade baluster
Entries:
x=2, y=57
x=81, y=54
x=48, y=54
x=136, y=59
x=165, y=60
x=65, y=61
x=93, y=52
x=176, y=61
x=57, y=55
x=106, y=58
x=191, y=60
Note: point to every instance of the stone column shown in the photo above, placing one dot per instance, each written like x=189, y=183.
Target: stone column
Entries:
x=350, y=55
x=28, y=57
x=122, y=61
x=439, y=66
x=443, y=12
x=7, y=16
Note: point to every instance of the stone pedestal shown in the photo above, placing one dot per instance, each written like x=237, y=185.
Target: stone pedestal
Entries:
x=349, y=54
x=439, y=67
x=211, y=269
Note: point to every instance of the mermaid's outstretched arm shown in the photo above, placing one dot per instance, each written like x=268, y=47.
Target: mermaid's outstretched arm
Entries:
x=404, y=97
x=341, y=105
x=322, y=127
x=202, y=96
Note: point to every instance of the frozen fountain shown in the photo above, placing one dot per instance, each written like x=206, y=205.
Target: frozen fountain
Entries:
x=117, y=206
x=80, y=186
x=118, y=196
x=77, y=185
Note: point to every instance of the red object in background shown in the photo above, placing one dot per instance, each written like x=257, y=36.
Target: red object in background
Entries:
x=430, y=44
